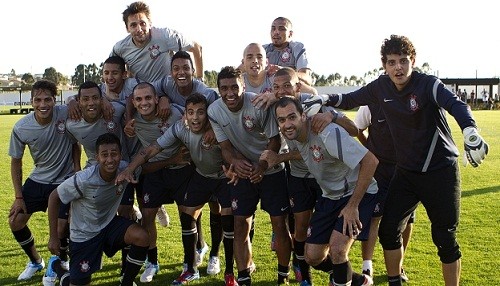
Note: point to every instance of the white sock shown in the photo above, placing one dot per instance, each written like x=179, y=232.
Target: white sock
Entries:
x=367, y=265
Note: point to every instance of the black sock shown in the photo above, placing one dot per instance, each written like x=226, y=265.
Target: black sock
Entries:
x=135, y=260
x=216, y=233
x=283, y=273
x=200, y=240
x=188, y=225
x=342, y=273
x=298, y=255
x=252, y=228
x=153, y=255
x=326, y=265
x=227, y=222
x=63, y=249
x=26, y=241
x=244, y=278
x=125, y=252
x=395, y=280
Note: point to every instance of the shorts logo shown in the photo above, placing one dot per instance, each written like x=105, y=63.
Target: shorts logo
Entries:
x=248, y=123
x=61, y=126
x=292, y=204
x=309, y=231
x=110, y=126
x=316, y=153
x=413, y=103
x=377, y=208
x=285, y=56
x=146, y=198
x=119, y=189
x=84, y=266
x=154, y=51
x=234, y=204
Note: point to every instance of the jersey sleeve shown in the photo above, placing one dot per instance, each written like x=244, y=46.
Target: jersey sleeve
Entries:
x=363, y=117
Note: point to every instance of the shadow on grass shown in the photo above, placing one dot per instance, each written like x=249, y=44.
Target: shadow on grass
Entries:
x=482, y=191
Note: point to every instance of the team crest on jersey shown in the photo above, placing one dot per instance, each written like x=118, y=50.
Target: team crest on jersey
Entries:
x=110, y=126
x=84, y=266
x=234, y=204
x=119, y=189
x=413, y=103
x=248, y=123
x=316, y=152
x=163, y=126
x=286, y=55
x=154, y=51
x=61, y=126
x=146, y=198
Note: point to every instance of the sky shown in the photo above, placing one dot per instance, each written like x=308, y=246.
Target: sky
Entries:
x=456, y=38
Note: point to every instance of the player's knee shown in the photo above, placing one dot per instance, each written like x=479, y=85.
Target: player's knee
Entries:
x=187, y=222
x=389, y=236
x=447, y=245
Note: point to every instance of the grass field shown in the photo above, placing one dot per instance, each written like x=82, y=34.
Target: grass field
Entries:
x=477, y=233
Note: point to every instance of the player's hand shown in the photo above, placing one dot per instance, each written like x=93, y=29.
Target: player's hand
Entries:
x=74, y=111
x=230, y=174
x=264, y=100
x=352, y=225
x=182, y=157
x=107, y=110
x=129, y=128
x=17, y=207
x=271, y=157
x=243, y=168
x=54, y=246
x=163, y=111
x=475, y=147
x=126, y=175
x=320, y=121
x=209, y=137
x=272, y=69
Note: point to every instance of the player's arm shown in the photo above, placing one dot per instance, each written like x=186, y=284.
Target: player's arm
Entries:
x=305, y=76
x=272, y=158
x=16, y=172
x=180, y=158
x=53, y=212
x=76, y=153
x=142, y=157
x=241, y=165
x=350, y=213
x=362, y=137
x=198, y=59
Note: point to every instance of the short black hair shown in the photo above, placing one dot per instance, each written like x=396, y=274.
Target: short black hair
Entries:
x=196, y=98
x=229, y=72
x=286, y=100
x=88, y=85
x=45, y=85
x=118, y=61
x=107, y=138
x=181, y=55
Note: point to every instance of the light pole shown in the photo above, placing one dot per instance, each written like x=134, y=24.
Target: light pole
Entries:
x=20, y=97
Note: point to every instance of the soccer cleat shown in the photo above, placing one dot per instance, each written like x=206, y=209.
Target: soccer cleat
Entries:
x=163, y=217
x=149, y=272
x=297, y=272
x=230, y=280
x=213, y=267
x=50, y=276
x=305, y=283
x=186, y=277
x=404, y=277
x=284, y=283
x=368, y=280
x=30, y=270
x=200, y=254
x=367, y=272
x=121, y=279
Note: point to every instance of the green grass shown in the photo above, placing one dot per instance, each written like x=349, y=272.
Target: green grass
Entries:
x=477, y=233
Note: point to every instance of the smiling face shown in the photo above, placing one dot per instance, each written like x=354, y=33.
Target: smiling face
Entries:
x=108, y=156
x=291, y=122
x=254, y=59
x=90, y=103
x=114, y=77
x=139, y=27
x=182, y=72
x=231, y=92
x=286, y=85
x=43, y=103
x=399, y=69
x=145, y=101
x=196, y=117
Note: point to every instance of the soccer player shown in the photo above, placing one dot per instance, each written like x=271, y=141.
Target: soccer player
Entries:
x=344, y=169
x=243, y=133
x=147, y=49
x=427, y=167
x=55, y=155
x=379, y=142
x=206, y=181
x=95, y=226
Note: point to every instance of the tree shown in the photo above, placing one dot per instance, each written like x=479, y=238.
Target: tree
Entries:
x=51, y=74
x=13, y=72
x=27, y=81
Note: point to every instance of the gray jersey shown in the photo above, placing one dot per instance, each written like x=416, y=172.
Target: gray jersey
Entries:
x=49, y=145
x=266, y=86
x=206, y=157
x=293, y=56
x=149, y=131
x=167, y=87
x=128, y=87
x=94, y=202
x=87, y=133
x=248, y=129
x=152, y=62
x=333, y=158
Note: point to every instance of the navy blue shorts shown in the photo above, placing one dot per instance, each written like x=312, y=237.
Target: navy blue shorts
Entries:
x=201, y=190
x=86, y=256
x=325, y=218
x=166, y=186
x=131, y=191
x=36, y=198
x=303, y=193
x=383, y=175
x=272, y=192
